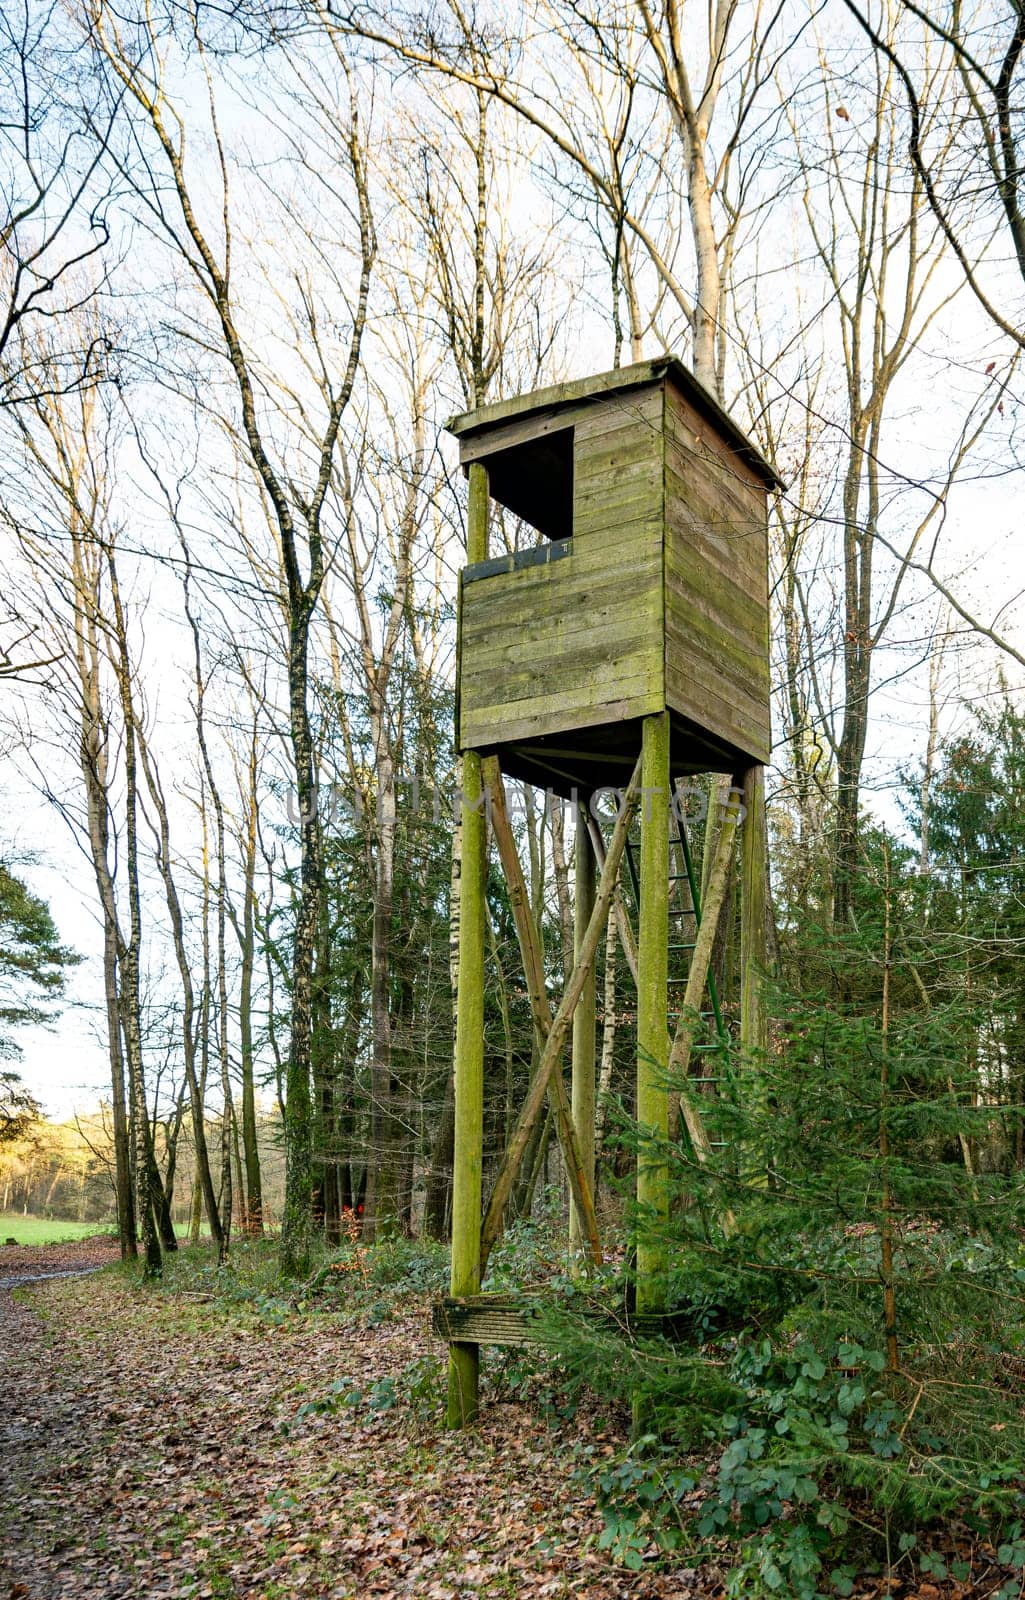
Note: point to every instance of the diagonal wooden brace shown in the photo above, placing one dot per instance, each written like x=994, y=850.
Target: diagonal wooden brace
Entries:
x=556, y=1041
x=624, y=927
x=697, y=977
x=541, y=1011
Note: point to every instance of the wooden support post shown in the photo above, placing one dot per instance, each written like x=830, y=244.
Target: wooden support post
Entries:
x=532, y=955
x=754, y=866
x=652, y=1012
x=464, y=1359
x=583, y=1082
x=556, y=1040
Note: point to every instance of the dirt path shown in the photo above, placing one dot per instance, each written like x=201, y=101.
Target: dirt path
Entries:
x=157, y=1447
x=22, y=1263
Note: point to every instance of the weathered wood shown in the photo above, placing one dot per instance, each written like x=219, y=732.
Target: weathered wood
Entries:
x=652, y=1015
x=723, y=435
x=556, y=1040
x=697, y=978
x=753, y=880
x=534, y=718
x=584, y=1087
x=464, y=1360
x=663, y=602
x=487, y=1319
x=687, y=424
x=547, y=649
x=501, y=1319
x=581, y=1178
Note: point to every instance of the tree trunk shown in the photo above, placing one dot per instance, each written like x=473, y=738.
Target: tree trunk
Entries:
x=381, y=1210
x=297, y=1220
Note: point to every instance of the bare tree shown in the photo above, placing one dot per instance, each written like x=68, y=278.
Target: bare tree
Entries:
x=56, y=195
x=295, y=483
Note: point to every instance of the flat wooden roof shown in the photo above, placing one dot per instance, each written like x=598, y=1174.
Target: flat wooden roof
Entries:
x=583, y=391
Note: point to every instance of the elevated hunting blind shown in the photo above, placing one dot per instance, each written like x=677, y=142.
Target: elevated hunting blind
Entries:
x=648, y=593
x=628, y=649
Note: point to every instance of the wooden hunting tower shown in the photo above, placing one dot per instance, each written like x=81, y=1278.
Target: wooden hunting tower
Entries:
x=649, y=592
x=628, y=649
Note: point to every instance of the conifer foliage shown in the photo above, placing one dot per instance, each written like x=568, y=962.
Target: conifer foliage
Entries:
x=841, y=1374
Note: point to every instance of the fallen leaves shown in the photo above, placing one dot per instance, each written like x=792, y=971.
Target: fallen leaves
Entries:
x=158, y=1447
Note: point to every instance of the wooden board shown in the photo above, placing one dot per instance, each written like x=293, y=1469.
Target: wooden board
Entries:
x=599, y=390
x=716, y=585
x=578, y=643
x=505, y=1320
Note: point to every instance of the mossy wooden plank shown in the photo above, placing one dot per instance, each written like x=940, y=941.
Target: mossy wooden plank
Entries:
x=689, y=617
x=603, y=679
x=577, y=639
x=715, y=498
x=581, y=705
x=685, y=425
x=507, y=1320
x=713, y=682
x=611, y=389
x=496, y=1322
x=511, y=598
x=496, y=616
x=714, y=698
x=600, y=388
x=739, y=728
x=635, y=443
x=524, y=720
x=518, y=431
x=699, y=582
x=698, y=531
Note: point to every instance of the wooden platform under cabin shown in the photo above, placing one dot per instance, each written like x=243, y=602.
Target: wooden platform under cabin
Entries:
x=504, y=1319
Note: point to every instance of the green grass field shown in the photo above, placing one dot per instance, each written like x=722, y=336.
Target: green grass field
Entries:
x=45, y=1230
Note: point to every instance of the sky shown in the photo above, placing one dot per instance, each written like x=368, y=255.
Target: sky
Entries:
x=982, y=555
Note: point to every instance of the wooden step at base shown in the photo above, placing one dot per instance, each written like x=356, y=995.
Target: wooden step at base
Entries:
x=502, y=1319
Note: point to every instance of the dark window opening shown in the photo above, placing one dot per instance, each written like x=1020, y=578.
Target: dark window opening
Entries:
x=535, y=481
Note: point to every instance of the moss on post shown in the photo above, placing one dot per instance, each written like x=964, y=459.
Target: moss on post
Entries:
x=583, y=1080
x=652, y=1013
x=464, y=1359
x=754, y=877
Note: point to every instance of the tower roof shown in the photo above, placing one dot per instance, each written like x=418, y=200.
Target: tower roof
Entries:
x=604, y=386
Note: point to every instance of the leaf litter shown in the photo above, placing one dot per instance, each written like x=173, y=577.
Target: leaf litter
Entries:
x=160, y=1446
x=157, y=1445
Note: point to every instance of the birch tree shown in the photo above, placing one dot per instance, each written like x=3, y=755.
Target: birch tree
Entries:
x=289, y=438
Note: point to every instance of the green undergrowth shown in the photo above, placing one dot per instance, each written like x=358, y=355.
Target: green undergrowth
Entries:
x=839, y=1391
x=370, y=1284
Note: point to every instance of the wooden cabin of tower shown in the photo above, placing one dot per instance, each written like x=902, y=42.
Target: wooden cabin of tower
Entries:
x=627, y=649
x=648, y=592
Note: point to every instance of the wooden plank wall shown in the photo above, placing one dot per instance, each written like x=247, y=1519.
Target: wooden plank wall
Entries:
x=716, y=573
x=578, y=643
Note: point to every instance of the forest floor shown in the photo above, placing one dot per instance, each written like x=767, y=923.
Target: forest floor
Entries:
x=228, y=1443
x=158, y=1444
